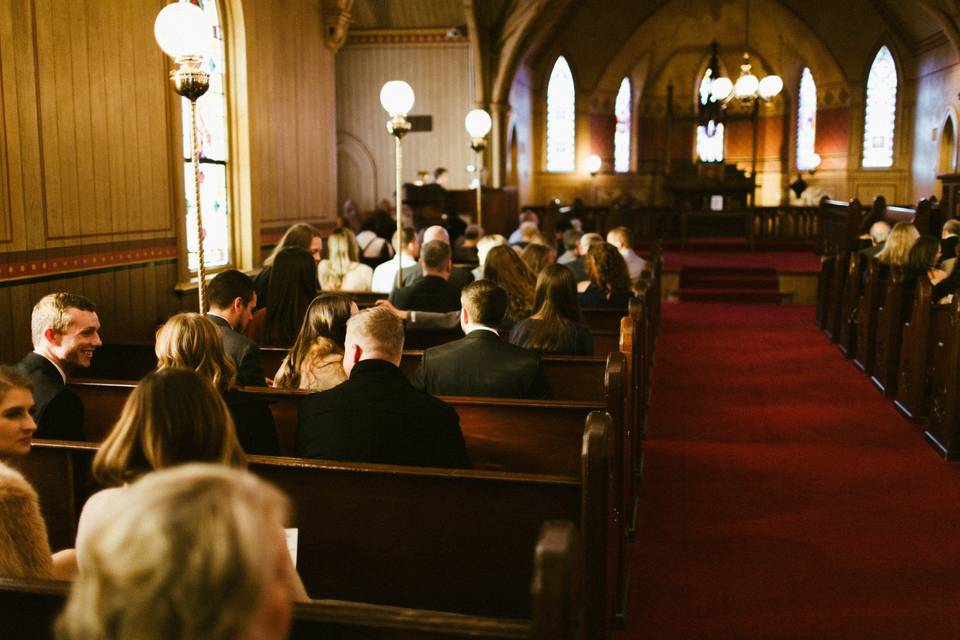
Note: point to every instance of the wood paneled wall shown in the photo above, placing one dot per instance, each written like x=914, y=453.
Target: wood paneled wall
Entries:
x=441, y=77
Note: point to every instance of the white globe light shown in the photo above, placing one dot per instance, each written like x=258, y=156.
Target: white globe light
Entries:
x=397, y=98
x=182, y=29
x=720, y=88
x=593, y=163
x=770, y=86
x=478, y=123
x=746, y=86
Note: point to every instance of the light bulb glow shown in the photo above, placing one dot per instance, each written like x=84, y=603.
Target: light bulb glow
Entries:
x=594, y=163
x=770, y=86
x=746, y=86
x=182, y=29
x=478, y=123
x=720, y=88
x=397, y=98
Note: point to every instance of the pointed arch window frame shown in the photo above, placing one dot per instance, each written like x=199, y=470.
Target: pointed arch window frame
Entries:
x=623, y=128
x=561, y=119
x=806, y=121
x=882, y=94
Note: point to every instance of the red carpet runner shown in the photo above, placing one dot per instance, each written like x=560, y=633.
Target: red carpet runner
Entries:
x=783, y=497
x=729, y=284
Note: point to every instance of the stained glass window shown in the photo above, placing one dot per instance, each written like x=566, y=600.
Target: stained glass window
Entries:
x=881, y=111
x=621, y=135
x=709, y=136
x=807, y=122
x=212, y=138
x=561, y=118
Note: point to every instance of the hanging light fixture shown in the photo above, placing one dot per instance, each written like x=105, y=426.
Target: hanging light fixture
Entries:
x=748, y=87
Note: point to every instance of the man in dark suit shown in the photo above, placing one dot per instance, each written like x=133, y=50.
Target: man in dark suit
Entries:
x=878, y=237
x=480, y=363
x=376, y=416
x=432, y=292
x=66, y=332
x=232, y=299
x=459, y=278
x=949, y=236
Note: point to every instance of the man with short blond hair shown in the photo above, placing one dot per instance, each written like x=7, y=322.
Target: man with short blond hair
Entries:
x=622, y=239
x=66, y=333
x=376, y=416
x=458, y=278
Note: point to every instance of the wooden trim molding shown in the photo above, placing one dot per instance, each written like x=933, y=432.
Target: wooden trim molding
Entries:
x=26, y=265
x=380, y=37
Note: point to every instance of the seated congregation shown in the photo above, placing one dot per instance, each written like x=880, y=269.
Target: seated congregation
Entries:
x=507, y=417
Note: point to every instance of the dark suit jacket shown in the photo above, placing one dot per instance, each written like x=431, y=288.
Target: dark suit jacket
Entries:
x=377, y=417
x=243, y=351
x=459, y=278
x=948, y=247
x=579, y=271
x=429, y=293
x=59, y=412
x=253, y=420
x=481, y=364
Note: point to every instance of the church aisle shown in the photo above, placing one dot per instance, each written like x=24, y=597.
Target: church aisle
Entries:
x=783, y=496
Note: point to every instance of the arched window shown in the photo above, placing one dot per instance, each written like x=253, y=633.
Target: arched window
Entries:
x=807, y=123
x=878, y=124
x=709, y=136
x=561, y=118
x=212, y=136
x=621, y=135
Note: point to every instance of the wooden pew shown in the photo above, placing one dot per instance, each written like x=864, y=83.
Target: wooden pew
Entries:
x=443, y=540
x=928, y=325
x=847, y=342
x=839, y=224
x=873, y=292
x=891, y=316
x=943, y=410
x=34, y=604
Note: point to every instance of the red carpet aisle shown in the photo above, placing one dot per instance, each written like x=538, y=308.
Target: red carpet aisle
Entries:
x=783, y=497
x=729, y=284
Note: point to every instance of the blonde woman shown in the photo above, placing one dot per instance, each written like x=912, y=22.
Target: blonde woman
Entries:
x=191, y=341
x=341, y=271
x=193, y=553
x=896, y=251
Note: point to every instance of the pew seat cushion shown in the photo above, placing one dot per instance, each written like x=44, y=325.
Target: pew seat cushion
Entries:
x=24, y=550
x=376, y=416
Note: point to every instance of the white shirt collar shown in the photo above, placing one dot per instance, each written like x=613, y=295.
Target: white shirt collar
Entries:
x=470, y=328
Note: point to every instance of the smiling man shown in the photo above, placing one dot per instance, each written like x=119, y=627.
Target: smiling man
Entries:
x=66, y=332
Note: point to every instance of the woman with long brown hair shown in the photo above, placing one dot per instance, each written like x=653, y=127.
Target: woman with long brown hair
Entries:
x=315, y=361
x=191, y=341
x=293, y=284
x=609, y=281
x=538, y=257
x=556, y=326
x=300, y=236
x=505, y=267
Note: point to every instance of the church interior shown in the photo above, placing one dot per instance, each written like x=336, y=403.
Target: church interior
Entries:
x=772, y=419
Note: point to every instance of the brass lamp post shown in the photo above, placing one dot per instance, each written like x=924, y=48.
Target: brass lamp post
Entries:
x=182, y=31
x=397, y=99
x=478, y=125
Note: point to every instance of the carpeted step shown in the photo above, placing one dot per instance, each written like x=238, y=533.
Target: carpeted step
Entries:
x=741, y=295
x=729, y=284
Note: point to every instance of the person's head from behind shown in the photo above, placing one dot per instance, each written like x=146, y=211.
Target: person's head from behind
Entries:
x=373, y=334
x=556, y=294
x=301, y=236
x=232, y=295
x=504, y=267
x=16, y=414
x=65, y=328
x=924, y=253
x=326, y=318
x=482, y=302
x=173, y=416
x=408, y=242
x=587, y=240
x=471, y=235
x=435, y=259
x=621, y=238
x=538, y=257
x=436, y=232
x=342, y=247
x=191, y=341
x=896, y=250
x=606, y=269
x=528, y=231
x=486, y=243
x=878, y=232
x=193, y=553
x=571, y=239
x=293, y=284
x=950, y=228
x=529, y=215
x=441, y=176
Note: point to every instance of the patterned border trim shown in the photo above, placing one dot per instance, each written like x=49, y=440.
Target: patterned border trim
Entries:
x=43, y=266
x=358, y=37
